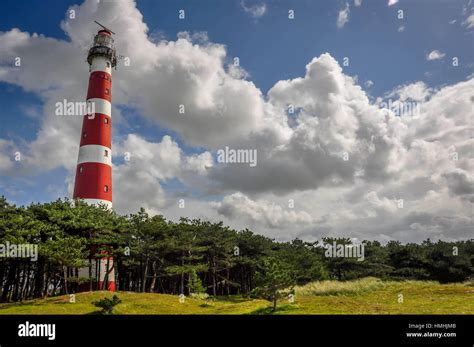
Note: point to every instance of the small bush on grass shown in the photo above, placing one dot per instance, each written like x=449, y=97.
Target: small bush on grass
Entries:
x=107, y=305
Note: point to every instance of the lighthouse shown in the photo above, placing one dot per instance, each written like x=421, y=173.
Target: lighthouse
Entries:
x=93, y=183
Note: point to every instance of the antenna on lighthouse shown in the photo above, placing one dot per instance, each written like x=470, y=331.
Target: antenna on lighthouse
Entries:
x=104, y=27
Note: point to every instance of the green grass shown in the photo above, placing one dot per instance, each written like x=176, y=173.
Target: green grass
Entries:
x=361, y=286
x=372, y=296
x=365, y=296
x=132, y=303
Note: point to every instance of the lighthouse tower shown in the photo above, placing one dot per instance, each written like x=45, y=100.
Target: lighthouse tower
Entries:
x=93, y=182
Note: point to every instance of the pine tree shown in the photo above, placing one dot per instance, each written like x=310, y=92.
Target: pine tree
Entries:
x=276, y=280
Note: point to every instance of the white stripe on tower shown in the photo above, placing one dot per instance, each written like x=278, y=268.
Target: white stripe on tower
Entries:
x=99, y=202
x=95, y=154
x=100, y=64
x=101, y=106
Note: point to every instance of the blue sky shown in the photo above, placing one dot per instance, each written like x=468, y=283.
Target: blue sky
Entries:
x=381, y=48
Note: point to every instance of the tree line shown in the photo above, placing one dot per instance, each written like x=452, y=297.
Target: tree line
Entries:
x=153, y=254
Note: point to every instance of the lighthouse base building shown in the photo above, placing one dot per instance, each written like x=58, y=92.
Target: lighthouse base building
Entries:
x=93, y=183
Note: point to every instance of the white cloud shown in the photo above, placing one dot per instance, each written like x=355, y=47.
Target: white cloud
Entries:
x=381, y=204
x=469, y=22
x=435, y=55
x=335, y=118
x=401, y=28
x=138, y=181
x=414, y=150
x=256, y=11
x=262, y=212
x=7, y=154
x=417, y=91
x=343, y=16
x=392, y=2
x=357, y=3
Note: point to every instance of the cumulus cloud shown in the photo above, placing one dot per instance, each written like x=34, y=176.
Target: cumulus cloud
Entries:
x=338, y=136
x=263, y=212
x=417, y=91
x=411, y=187
x=435, y=55
x=147, y=165
x=460, y=183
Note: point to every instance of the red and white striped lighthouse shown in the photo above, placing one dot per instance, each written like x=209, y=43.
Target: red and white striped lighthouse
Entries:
x=93, y=182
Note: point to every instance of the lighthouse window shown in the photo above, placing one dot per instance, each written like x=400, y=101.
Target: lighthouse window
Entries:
x=106, y=188
x=81, y=169
x=107, y=91
x=106, y=121
x=84, y=135
x=106, y=153
x=108, y=64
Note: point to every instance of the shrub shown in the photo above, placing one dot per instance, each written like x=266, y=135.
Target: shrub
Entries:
x=107, y=305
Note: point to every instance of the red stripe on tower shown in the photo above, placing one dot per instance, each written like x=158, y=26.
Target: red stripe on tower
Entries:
x=93, y=182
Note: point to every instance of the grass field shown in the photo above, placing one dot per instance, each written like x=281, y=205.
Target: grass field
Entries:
x=365, y=296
